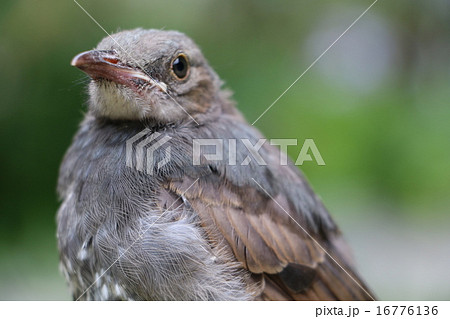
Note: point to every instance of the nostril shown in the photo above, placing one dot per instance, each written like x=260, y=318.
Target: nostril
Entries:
x=111, y=60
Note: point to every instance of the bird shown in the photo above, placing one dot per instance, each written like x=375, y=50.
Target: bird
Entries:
x=137, y=224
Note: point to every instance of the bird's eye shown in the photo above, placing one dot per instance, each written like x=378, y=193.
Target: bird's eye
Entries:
x=180, y=66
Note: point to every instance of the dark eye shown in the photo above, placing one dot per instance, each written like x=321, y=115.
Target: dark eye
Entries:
x=180, y=66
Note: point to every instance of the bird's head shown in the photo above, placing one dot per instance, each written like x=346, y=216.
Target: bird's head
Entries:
x=148, y=75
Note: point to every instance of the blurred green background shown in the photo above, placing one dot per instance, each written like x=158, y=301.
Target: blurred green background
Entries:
x=377, y=106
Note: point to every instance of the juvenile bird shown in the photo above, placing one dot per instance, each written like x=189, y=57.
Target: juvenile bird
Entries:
x=145, y=216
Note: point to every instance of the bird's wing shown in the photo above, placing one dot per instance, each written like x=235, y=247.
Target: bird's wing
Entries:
x=300, y=255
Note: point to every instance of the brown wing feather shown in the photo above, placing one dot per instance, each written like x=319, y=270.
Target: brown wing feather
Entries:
x=267, y=241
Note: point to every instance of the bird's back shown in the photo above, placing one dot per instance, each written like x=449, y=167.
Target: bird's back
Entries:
x=194, y=232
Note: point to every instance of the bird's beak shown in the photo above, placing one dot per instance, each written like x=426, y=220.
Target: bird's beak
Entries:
x=104, y=64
